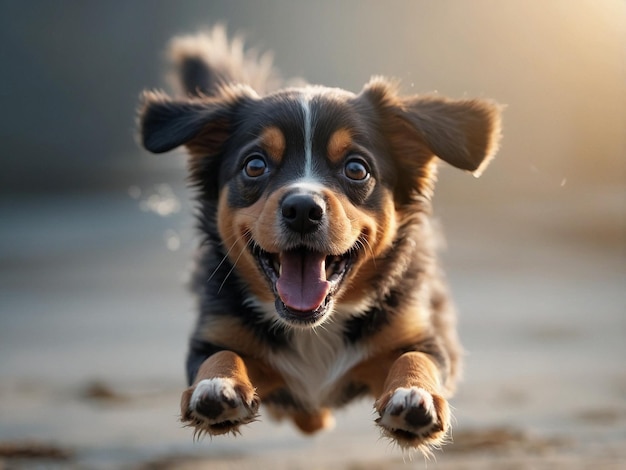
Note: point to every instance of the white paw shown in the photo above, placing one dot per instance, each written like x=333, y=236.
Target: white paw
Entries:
x=410, y=412
x=217, y=406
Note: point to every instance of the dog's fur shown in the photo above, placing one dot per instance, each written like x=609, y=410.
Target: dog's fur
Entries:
x=317, y=275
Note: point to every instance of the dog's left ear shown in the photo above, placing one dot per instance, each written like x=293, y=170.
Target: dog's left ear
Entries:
x=463, y=133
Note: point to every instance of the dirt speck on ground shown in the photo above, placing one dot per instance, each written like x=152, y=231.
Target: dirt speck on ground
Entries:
x=32, y=450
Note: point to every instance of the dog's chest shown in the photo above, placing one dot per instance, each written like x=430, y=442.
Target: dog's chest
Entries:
x=315, y=364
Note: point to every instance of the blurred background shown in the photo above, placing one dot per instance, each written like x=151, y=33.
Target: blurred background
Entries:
x=96, y=235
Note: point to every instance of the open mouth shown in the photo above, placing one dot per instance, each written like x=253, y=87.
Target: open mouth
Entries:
x=304, y=281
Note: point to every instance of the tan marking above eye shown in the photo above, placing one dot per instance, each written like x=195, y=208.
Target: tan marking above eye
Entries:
x=273, y=142
x=338, y=144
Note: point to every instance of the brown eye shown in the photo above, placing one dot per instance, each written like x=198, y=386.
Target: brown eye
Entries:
x=255, y=166
x=356, y=170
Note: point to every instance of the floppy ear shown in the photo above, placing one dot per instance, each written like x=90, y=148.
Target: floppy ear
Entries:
x=165, y=123
x=201, y=125
x=463, y=133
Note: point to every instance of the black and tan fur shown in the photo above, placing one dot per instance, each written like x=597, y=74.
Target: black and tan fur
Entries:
x=317, y=275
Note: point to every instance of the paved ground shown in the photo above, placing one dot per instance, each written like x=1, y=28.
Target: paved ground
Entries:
x=94, y=318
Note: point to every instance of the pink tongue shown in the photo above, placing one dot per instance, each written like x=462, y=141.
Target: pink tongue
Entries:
x=302, y=284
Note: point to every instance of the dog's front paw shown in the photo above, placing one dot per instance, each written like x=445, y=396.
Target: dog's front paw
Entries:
x=218, y=406
x=413, y=417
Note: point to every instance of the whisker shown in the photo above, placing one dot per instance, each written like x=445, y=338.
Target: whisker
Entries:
x=322, y=326
x=233, y=267
x=225, y=257
x=366, y=244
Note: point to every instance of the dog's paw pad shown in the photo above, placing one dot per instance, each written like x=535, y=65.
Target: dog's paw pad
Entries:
x=410, y=417
x=218, y=406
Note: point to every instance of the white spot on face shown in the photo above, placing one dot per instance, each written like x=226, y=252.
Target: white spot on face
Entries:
x=308, y=185
x=305, y=102
x=306, y=97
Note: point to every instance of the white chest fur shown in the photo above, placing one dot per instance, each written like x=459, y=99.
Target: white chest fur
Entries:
x=315, y=362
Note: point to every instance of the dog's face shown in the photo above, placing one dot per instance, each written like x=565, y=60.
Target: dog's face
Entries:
x=308, y=186
x=304, y=200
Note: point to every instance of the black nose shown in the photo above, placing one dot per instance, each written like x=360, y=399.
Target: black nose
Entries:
x=303, y=212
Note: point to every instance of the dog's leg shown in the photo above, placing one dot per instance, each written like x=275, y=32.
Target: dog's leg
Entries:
x=222, y=397
x=411, y=408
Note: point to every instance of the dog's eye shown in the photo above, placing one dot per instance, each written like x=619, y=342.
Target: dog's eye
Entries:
x=356, y=169
x=255, y=166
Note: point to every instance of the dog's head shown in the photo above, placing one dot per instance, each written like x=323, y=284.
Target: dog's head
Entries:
x=309, y=186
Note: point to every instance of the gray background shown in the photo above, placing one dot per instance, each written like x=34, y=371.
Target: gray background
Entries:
x=96, y=235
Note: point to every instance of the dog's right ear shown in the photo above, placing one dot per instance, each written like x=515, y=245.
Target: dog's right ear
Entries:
x=464, y=133
x=166, y=123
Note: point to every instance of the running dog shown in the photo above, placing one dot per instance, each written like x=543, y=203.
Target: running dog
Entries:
x=316, y=276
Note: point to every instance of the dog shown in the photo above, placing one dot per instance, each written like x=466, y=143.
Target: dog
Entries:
x=317, y=276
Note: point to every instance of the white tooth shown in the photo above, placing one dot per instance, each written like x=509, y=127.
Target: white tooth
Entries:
x=280, y=269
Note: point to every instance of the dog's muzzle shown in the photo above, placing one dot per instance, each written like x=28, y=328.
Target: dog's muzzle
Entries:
x=304, y=275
